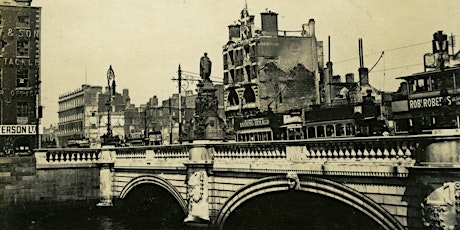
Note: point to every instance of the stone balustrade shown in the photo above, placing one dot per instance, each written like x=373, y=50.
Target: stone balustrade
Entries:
x=392, y=149
x=251, y=150
x=67, y=157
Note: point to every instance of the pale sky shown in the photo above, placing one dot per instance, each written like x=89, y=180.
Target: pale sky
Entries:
x=146, y=40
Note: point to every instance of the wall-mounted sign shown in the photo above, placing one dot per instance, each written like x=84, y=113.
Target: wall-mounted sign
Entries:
x=18, y=130
x=21, y=62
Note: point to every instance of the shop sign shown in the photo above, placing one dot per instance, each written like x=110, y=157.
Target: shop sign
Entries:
x=18, y=130
x=256, y=122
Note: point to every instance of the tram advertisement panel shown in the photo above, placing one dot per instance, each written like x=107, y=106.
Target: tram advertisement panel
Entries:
x=431, y=102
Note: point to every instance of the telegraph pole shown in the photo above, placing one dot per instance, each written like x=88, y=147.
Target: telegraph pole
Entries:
x=179, y=75
x=179, y=84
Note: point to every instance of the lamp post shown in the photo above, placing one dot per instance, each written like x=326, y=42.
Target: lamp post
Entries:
x=39, y=108
x=111, y=85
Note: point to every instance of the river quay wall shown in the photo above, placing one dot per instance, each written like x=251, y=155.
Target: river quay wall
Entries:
x=21, y=183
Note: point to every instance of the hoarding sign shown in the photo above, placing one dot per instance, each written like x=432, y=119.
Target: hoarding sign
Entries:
x=18, y=130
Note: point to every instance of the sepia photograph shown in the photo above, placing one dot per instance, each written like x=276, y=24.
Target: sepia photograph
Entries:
x=222, y=115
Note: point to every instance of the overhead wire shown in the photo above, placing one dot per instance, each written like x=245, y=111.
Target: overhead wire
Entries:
x=392, y=49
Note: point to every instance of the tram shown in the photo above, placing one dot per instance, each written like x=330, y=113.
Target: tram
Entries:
x=359, y=119
x=429, y=102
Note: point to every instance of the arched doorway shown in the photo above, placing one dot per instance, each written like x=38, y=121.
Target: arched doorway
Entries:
x=286, y=202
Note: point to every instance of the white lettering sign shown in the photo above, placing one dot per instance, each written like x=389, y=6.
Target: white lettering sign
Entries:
x=18, y=130
x=428, y=102
x=254, y=122
x=21, y=62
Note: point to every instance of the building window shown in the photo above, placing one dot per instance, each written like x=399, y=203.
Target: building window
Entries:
x=233, y=98
x=22, y=109
x=226, y=82
x=22, y=78
x=349, y=129
x=232, y=75
x=248, y=72
x=3, y=44
x=23, y=21
x=249, y=95
x=22, y=48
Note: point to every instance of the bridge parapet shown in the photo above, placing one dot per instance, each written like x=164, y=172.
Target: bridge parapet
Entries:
x=67, y=157
x=389, y=149
x=393, y=150
x=158, y=156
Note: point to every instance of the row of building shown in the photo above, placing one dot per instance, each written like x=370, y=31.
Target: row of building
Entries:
x=276, y=85
x=264, y=71
x=267, y=73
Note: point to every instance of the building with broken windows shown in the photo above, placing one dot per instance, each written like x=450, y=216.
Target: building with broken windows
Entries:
x=267, y=72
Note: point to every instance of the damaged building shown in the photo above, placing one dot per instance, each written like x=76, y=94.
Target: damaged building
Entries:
x=268, y=72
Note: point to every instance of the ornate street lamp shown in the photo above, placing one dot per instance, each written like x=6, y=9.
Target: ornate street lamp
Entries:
x=111, y=84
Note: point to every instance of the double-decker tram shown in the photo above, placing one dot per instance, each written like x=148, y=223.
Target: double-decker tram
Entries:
x=429, y=101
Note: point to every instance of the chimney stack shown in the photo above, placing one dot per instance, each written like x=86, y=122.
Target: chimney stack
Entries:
x=233, y=32
x=269, y=23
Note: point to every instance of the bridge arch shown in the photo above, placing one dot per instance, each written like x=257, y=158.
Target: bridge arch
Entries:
x=156, y=181
x=309, y=184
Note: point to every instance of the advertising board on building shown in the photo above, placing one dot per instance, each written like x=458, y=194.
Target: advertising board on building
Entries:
x=18, y=130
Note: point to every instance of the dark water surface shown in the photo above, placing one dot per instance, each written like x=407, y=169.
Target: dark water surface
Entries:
x=84, y=215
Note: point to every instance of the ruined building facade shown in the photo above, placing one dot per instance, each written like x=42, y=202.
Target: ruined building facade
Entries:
x=268, y=71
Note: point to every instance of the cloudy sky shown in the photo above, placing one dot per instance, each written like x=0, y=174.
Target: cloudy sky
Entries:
x=146, y=40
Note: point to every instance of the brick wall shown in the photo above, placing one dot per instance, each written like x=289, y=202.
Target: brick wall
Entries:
x=21, y=182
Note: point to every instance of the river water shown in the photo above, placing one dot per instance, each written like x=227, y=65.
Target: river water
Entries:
x=83, y=215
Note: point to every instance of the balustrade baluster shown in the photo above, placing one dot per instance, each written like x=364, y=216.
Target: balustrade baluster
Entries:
x=264, y=153
x=335, y=153
x=400, y=153
x=353, y=153
x=379, y=153
x=341, y=153
x=323, y=153
x=366, y=154
x=307, y=152
x=347, y=153
x=359, y=153
x=329, y=153
x=372, y=154
x=393, y=153
x=278, y=152
x=271, y=152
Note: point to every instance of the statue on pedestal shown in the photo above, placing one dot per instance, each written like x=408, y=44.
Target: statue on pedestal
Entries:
x=205, y=67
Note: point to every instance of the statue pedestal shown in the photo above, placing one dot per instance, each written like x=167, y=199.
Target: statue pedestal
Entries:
x=207, y=125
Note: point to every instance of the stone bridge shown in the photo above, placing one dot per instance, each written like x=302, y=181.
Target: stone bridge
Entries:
x=396, y=182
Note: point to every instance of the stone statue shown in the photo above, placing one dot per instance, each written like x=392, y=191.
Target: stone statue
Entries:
x=205, y=67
